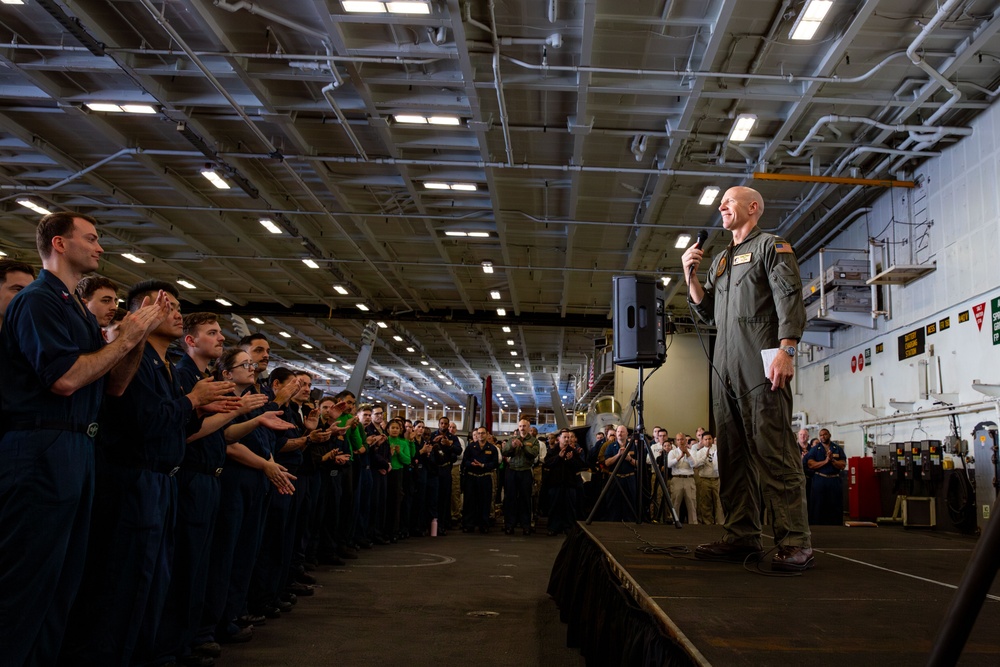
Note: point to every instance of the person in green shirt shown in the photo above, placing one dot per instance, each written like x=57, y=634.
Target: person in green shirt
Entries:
x=400, y=448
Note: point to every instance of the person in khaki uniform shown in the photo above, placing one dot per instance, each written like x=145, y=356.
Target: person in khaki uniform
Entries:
x=753, y=295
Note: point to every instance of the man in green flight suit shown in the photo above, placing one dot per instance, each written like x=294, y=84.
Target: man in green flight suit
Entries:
x=753, y=295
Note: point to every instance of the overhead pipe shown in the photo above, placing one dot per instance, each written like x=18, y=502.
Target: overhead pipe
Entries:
x=918, y=60
x=834, y=118
x=498, y=82
x=786, y=78
x=72, y=177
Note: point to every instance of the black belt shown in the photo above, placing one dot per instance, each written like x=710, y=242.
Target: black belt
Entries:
x=90, y=430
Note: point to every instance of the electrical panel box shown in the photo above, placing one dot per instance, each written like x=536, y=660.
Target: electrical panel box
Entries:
x=984, y=448
x=931, y=457
x=883, y=456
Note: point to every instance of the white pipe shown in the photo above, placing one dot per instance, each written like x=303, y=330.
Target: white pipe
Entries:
x=74, y=176
x=328, y=95
x=833, y=118
x=501, y=101
x=271, y=16
x=911, y=53
x=935, y=413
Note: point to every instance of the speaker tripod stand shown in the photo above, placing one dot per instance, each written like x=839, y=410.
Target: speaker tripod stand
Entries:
x=643, y=454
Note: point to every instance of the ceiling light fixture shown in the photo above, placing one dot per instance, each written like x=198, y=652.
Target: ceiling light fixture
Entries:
x=398, y=339
x=382, y=325
x=363, y=6
x=362, y=307
x=487, y=267
x=502, y=312
x=479, y=235
x=810, y=18
x=741, y=128
x=409, y=7
x=27, y=203
x=340, y=289
x=270, y=226
x=456, y=234
x=256, y=320
x=495, y=295
x=310, y=263
x=284, y=334
x=224, y=302
x=461, y=187
x=424, y=362
x=666, y=280
x=144, y=109
x=517, y=365
x=129, y=256
x=185, y=283
x=682, y=240
x=410, y=349
x=307, y=346
x=513, y=353
x=215, y=179
x=506, y=329
x=510, y=341
x=708, y=195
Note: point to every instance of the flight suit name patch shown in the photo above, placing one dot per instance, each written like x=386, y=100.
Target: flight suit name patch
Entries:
x=742, y=259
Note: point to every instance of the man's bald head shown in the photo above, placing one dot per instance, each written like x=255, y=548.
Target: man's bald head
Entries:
x=747, y=195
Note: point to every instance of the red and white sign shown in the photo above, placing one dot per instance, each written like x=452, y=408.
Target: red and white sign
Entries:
x=854, y=364
x=861, y=362
x=979, y=310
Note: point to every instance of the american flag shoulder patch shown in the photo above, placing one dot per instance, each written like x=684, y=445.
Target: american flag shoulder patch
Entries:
x=781, y=246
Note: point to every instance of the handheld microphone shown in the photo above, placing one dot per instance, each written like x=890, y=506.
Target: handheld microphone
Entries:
x=702, y=237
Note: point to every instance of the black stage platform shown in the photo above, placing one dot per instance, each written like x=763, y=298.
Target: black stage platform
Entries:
x=876, y=597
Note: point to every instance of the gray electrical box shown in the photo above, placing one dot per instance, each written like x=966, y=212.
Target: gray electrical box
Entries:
x=984, y=448
x=883, y=456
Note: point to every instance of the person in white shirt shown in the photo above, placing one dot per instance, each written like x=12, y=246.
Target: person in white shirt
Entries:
x=680, y=461
x=706, y=462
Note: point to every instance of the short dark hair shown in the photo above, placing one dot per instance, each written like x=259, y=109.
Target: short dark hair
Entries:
x=708, y=433
x=140, y=290
x=194, y=320
x=247, y=341
x=327, y=399
x=282, y=374
x=56, y=224
x=344, y=394
x=227, y=361
x=12, y=265
x=305, y=374
x=86, y=287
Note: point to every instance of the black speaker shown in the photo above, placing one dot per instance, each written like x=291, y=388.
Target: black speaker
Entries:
x=638, y=324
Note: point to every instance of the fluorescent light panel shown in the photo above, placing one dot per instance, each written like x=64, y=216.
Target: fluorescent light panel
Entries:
x=363, y=7
x=809, y=21
x=362, y=307
x=682, y=240
x=223, y=302
x=741, y=128
x=340, y=289
x=133, y=258
x=256, y=320
x=185, y=283
x=487, y=267
x=215, y=179
x=495, y=295
x=708, y=195
x=270, y=226
x=460, y=187
x=310, y=263
x=27, y=203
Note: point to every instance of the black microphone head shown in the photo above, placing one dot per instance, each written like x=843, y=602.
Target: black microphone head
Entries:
x=702, y=237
